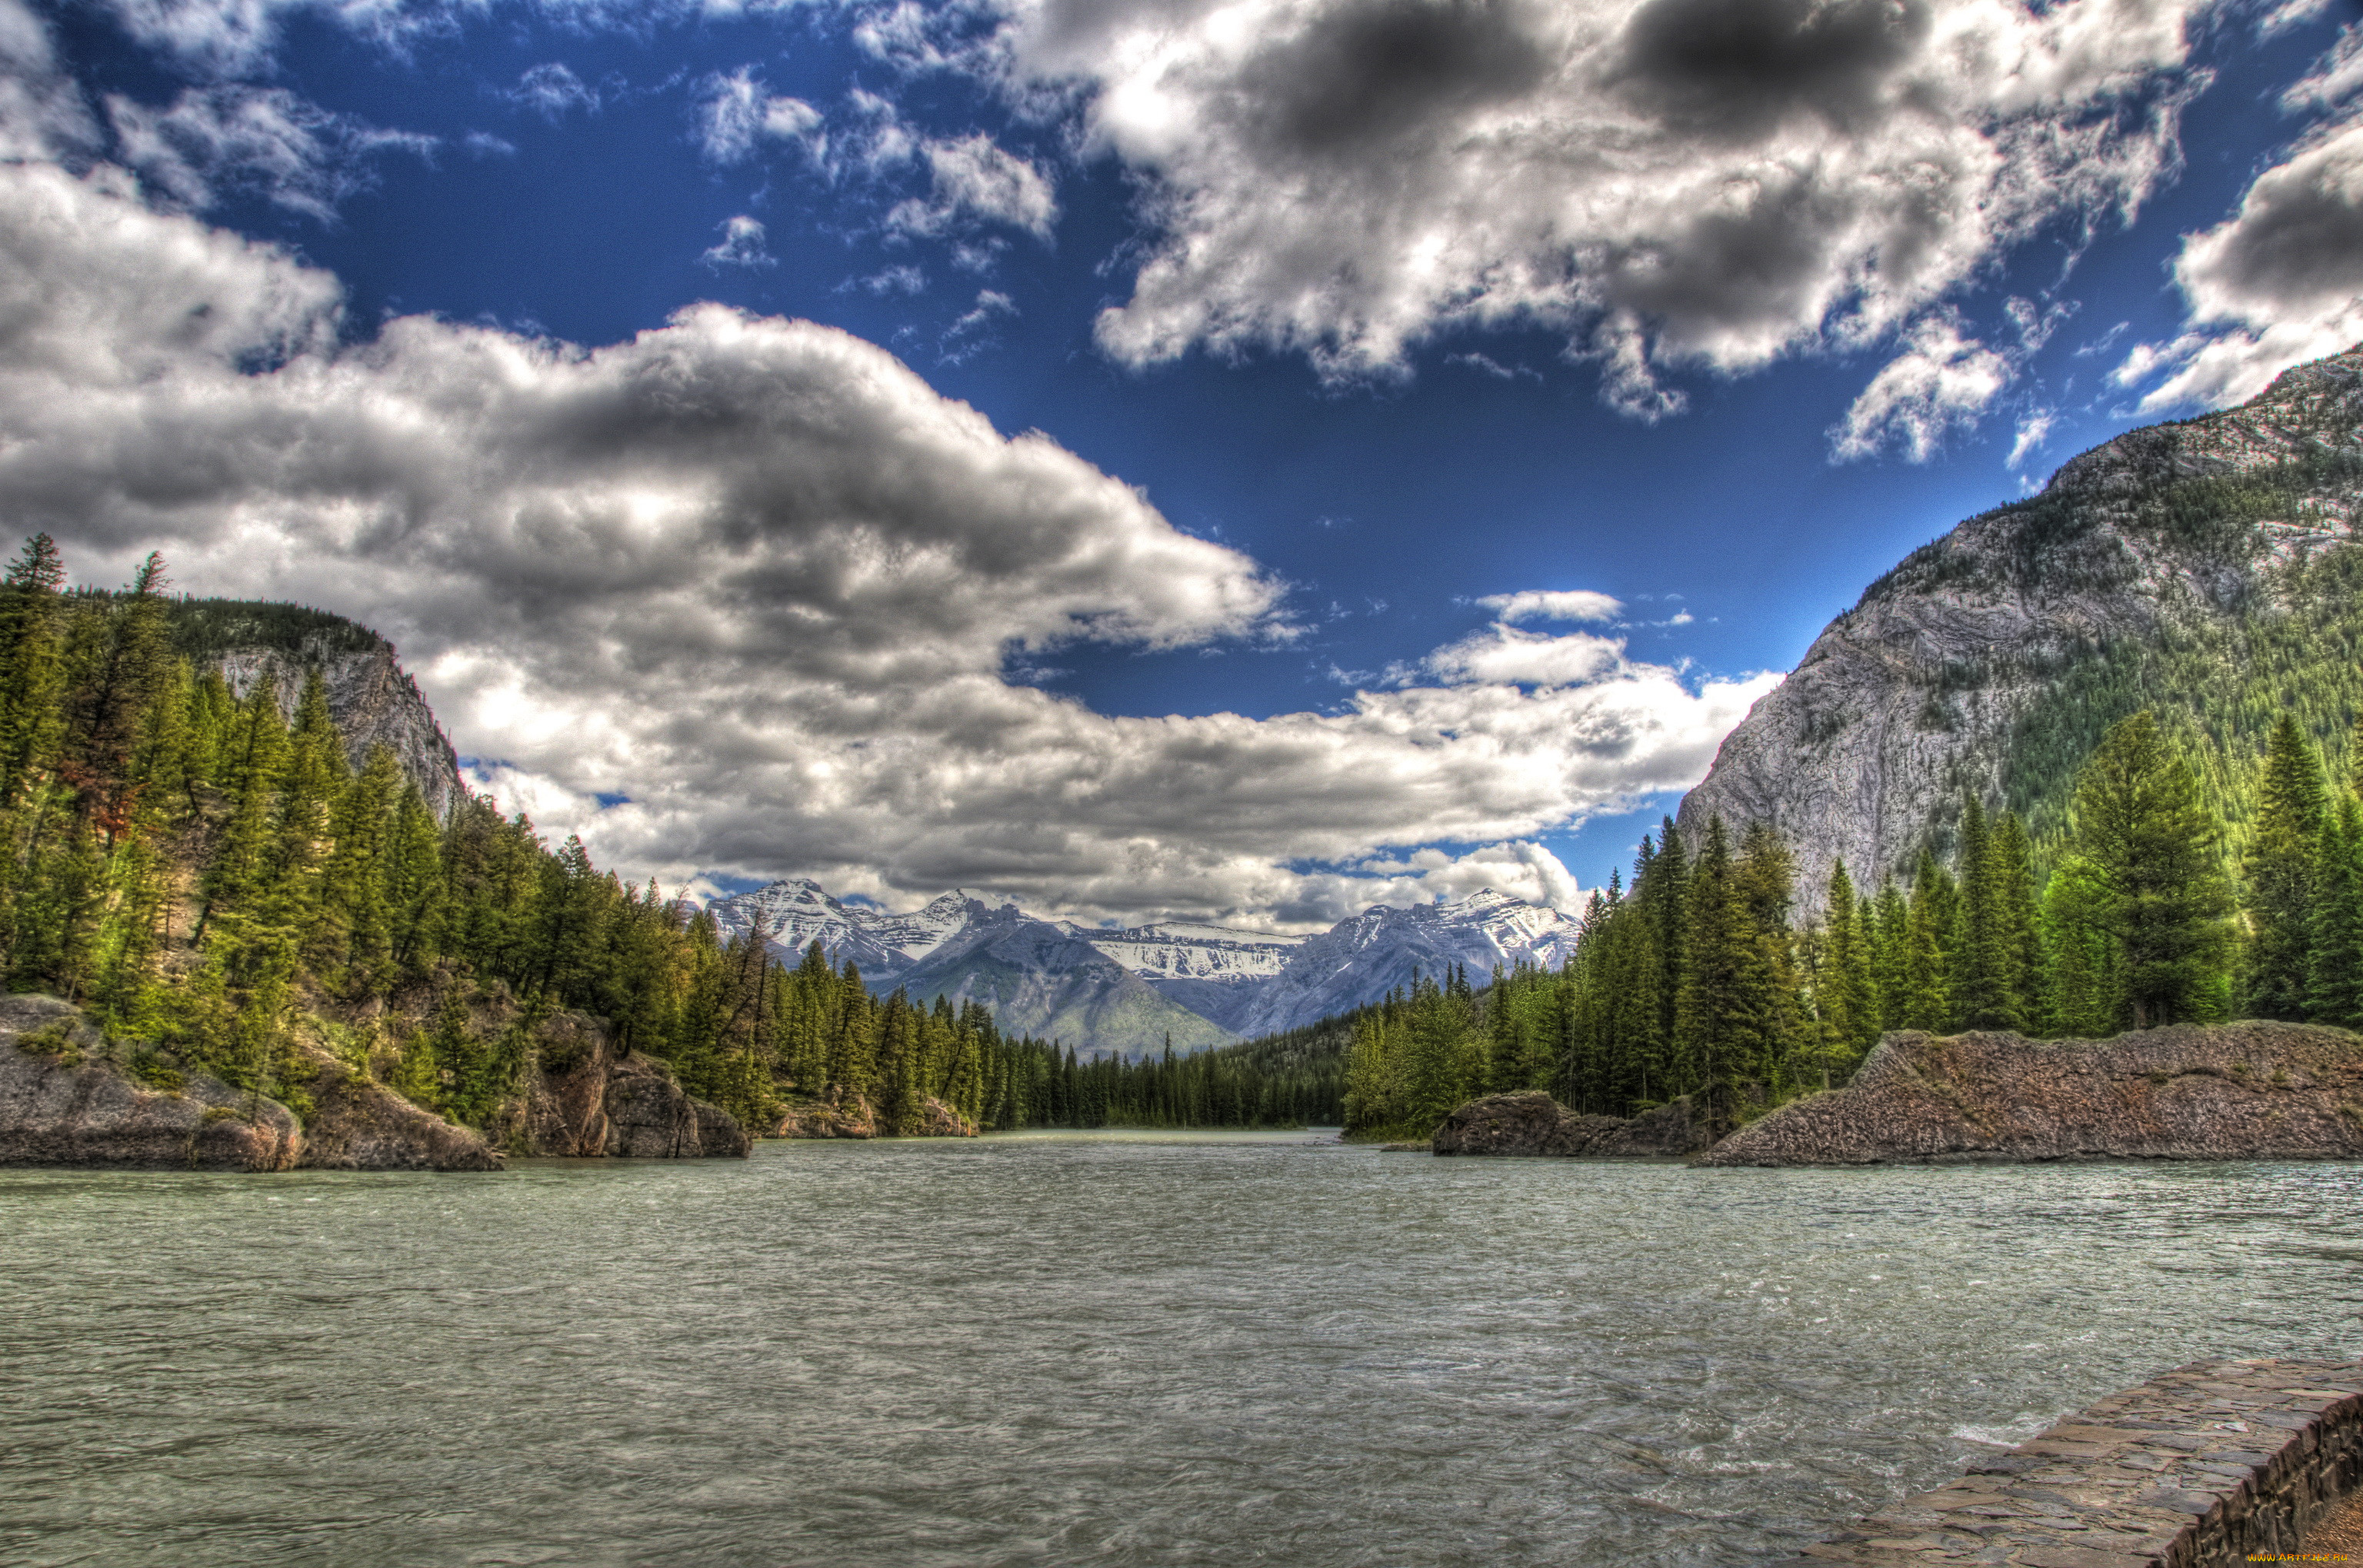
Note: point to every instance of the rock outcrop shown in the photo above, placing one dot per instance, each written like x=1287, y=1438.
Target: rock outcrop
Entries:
x=856, y=1118
x=1921, y=691
x=591, y=1101
x=65, y=1102
x=69, y=1096
x=1532, y=1123
x=373, y=701
x=2242, y=1091
x=356, y=1124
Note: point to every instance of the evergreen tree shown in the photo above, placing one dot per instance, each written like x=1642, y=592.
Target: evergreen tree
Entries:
x=2140, y=821
x=2278, y=871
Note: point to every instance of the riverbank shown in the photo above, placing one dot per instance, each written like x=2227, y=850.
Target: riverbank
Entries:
x=2206, y=1466
x=70, y=1095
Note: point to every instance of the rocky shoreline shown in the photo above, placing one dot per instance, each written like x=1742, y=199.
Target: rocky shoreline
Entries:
x=2252, y=1090
x=70, y=1096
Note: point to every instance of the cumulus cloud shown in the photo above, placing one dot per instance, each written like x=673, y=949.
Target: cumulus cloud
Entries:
x=1519, y=868
x=211, y=141
x=1712, y=183
x=2280, y=281
x=1549, y=604
x=972, y=180
x=41, y=111
x=741, y=245
x=734, y=112
x=757, y=577
x=1941, y=381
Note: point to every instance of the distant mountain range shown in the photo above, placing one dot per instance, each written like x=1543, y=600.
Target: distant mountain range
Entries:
x=1131, y=990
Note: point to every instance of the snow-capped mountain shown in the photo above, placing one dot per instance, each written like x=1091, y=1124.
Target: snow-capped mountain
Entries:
x=1362, y=959
x=1213, y=970
x=791, y=915
x=1128, y=990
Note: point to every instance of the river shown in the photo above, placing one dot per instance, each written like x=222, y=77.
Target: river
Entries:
x=1115, y=1348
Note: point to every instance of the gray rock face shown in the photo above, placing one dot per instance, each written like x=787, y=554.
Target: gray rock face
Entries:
x=358, y=1125
x=1911, y=697
x=590, y=1101
x=374, y=704
x=65, y=1102
x=1532, y=1123
x=2254, y=1090
x=1039, y=980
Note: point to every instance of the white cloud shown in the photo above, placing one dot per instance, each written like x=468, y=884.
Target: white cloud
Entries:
x=2034, y=430
x=1519, y=868
x=268, y=141
x=734, y=112
x=741, y=245
x=974, y=180
x=1550, y=604
x=552, y=91
x=41, y=111
x=1670, y=182
x=758, y=577
x=1504, y=655
x=1941, y=381
x=2278, y=282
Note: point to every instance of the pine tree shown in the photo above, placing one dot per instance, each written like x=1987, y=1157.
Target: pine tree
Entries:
x=2139, y=819
x=2335, y=969
x=2278, y=871
x=1922, y=1003
x=1718, y=1015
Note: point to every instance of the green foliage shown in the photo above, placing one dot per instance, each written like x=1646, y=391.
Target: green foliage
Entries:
x=2140, y=822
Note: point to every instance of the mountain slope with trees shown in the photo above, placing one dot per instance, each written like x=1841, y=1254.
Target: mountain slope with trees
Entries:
x=2202, y=571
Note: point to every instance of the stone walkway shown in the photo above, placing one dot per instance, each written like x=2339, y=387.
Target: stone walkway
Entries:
x=2203, y=1467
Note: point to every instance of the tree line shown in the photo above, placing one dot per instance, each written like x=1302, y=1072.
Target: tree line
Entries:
x=1696, y=980
x=207, y=872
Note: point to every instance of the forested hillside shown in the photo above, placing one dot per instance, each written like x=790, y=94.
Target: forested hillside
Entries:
x=2204, y=571
x=1701, y=980
x=208, y=880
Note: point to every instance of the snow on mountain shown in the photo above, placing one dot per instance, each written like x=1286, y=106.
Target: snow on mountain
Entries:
x=1047, y=981
x=794, y=914
x=1362, y=959
x=1213, y=970
x=1128, y=990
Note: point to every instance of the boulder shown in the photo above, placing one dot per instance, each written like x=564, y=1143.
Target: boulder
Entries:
x=1531, y=1122
x=66, y=1101
x=360, y=1125
x=2253, y=1090
x=854, y=1117
x=588, y=1100
x=832, y=1118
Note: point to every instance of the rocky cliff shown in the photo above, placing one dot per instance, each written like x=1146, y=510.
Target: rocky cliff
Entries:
x=2244, y=1091
x=70, y=1097
x=1991, y=659
x=373, y=701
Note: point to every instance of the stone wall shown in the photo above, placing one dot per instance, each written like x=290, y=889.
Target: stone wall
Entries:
x=2198, y=1468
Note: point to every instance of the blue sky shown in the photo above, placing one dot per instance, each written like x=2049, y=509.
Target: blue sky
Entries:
x=1337, y=318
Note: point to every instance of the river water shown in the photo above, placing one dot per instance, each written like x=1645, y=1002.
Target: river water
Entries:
x=1091, y=1348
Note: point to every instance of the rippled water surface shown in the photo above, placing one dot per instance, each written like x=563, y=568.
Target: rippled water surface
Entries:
x=1101, y=1348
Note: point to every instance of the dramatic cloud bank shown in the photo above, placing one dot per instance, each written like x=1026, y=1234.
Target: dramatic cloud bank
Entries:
x=2280, y=281
x=1712, y=183
x=759, y=579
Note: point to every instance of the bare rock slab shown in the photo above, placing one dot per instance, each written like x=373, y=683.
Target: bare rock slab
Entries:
x=2254, y=1090
x=65, y=1102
